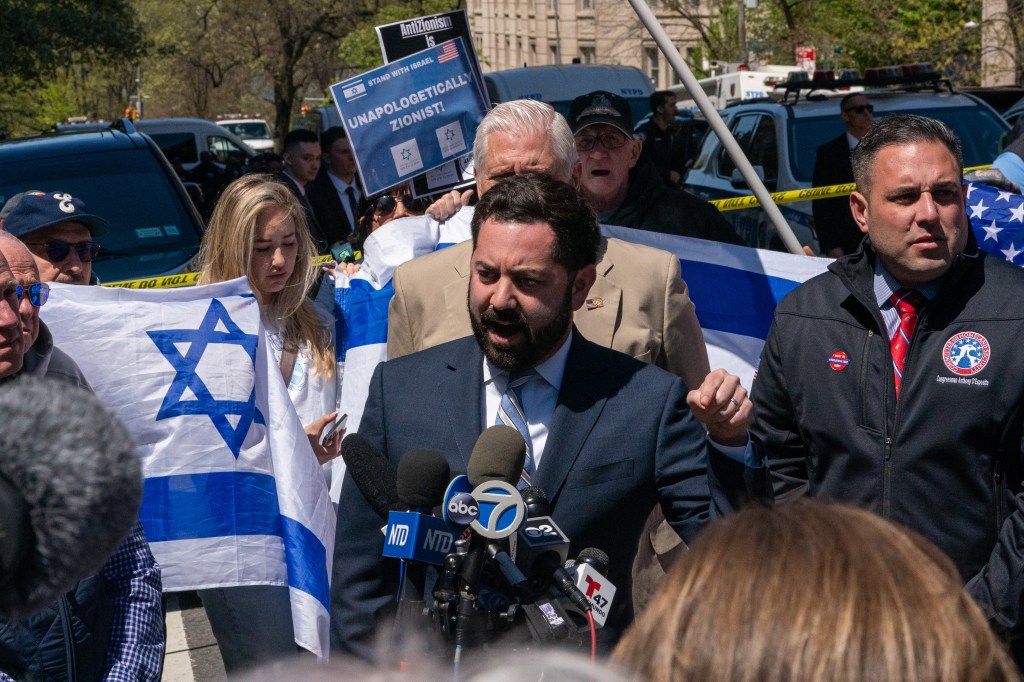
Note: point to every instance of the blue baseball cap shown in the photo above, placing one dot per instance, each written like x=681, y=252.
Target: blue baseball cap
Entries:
x=33, y=210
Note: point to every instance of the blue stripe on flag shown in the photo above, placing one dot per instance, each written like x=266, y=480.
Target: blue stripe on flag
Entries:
x=209, y=505
x=226, y=503
x=307, y=561
x=733, y=300
x=364, y=318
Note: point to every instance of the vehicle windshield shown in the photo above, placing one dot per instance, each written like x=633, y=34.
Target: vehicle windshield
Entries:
x=980, y=132
x=253, y=130
x=150, y=232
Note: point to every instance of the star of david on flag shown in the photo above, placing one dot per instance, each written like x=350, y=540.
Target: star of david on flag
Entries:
x=233, y=494
x=997, y=218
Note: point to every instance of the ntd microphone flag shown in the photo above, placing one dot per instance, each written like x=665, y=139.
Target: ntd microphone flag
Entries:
x=417, y=537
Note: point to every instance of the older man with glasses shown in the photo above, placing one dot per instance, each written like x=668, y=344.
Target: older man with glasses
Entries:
x=623, y=186
x=837, y=232
x=58, y=230
x=109, y=625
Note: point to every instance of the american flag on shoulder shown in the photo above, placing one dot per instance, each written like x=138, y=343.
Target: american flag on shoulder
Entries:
x=997, y=218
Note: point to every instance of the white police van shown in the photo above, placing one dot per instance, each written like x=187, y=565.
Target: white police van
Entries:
x=781, y=137
x=560, y=84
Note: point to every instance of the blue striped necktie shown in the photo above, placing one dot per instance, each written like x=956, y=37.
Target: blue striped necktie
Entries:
x=510, y=413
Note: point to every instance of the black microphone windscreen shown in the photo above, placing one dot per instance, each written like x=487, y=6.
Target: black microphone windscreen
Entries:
x=423, y=476
x=372, y=473
x=498, y=455
x=595, y=557
x=77, y=470
x=536, y=502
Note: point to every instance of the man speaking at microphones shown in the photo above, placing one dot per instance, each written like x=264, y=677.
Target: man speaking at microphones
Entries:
x=607, y=437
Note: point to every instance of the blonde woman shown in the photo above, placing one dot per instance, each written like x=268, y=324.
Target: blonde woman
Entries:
x=812, y=593
x=258, y=230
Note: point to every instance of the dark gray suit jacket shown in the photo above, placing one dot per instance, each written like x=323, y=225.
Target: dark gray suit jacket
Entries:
x=621, y=439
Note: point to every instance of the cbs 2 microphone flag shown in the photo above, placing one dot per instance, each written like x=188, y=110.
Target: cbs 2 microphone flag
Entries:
x=233, y=494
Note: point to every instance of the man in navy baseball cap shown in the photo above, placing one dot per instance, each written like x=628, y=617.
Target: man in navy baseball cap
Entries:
x=58, y=230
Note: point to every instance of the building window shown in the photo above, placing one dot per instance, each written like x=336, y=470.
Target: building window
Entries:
x=553, y=54
x=588, y=55
x=533, y=53
x=587, y=4
x=554, y=6
x=651, y=64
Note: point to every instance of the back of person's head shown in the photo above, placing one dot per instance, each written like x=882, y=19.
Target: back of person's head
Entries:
x=900, y=129
x=330, y=136
x=812, y=593
x=537, y=197
x=295, y=137
x=523, y=118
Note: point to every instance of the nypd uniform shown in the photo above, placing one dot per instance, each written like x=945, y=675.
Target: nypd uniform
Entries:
x=946, y=458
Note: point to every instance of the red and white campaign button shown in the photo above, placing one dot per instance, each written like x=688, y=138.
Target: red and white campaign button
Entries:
x=838, y=360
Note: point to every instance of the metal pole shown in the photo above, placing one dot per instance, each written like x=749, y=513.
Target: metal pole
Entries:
x=741, y=29
x=718, y=125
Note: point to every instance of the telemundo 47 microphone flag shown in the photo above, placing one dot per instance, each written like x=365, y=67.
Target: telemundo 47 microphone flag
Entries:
x=233, y=494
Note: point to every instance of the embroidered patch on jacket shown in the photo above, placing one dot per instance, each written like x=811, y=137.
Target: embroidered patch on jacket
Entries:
x=966, y=353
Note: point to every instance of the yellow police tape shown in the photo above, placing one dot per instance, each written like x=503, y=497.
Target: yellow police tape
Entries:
x=184, y=279
x=788, y=197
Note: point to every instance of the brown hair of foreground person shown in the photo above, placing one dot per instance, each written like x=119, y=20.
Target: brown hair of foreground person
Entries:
x=810, y=592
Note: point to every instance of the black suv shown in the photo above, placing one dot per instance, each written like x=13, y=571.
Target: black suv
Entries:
x=123, y=177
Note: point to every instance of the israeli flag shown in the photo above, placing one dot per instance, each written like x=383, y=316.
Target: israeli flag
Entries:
x=233, y=494
x=361, y=332
x=735, y=290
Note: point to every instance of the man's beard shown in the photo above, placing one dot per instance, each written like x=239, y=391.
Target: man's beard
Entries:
x=534, y=345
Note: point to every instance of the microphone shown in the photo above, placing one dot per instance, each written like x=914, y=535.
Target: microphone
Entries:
x=372, y=473
x=588, y=571
x=542, y=547
x=70, y=490
x=498, y=455
x=418, y=535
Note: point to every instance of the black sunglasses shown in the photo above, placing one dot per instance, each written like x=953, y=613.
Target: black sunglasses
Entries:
x=58, y=250
x=387, y=204
x=861, y=108
x=37, y=293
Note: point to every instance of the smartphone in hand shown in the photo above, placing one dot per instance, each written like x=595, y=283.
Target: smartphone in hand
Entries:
x=337, y=426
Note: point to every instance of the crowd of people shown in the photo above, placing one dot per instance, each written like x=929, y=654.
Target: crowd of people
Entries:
x=889, y=384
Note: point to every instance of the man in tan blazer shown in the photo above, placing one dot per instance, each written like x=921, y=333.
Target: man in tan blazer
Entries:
x=638, y=305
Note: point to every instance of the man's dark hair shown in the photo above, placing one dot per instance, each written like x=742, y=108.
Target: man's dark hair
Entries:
x=330, y=136
x=900, y=129
x=296, y=137
x=537, y=197
x=659, y=97
x=847, y=97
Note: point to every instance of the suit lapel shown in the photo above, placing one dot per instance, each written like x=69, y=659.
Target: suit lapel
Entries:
x=459, y=388
x=596, y=319
x=580, y=403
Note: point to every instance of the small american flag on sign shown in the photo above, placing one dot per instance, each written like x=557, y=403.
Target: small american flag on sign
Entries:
x=447, y=52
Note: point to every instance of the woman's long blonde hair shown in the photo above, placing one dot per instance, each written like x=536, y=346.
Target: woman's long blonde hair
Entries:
x=812, y=593
x=227, y=249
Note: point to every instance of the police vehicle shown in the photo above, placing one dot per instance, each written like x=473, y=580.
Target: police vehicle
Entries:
x=780, y=136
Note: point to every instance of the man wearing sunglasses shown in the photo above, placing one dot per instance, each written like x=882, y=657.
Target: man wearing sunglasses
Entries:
x=623, y=186
x=58, y=230
x=837, y=232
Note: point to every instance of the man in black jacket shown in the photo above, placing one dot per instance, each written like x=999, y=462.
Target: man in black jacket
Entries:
x=894, y=380
x=837, y=232
x=623, y=187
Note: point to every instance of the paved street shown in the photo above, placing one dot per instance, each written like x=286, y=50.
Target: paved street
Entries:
x=192, y=653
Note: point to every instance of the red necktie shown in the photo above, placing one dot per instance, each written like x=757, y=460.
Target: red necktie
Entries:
x=908, y=303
